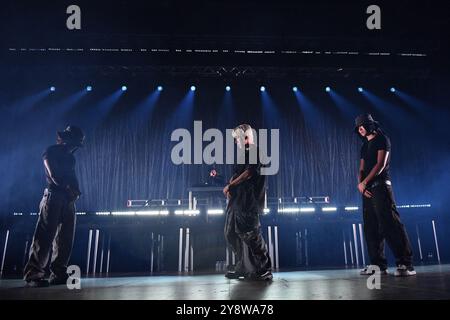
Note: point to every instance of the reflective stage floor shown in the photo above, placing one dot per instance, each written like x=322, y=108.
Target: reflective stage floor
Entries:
x=431, y=282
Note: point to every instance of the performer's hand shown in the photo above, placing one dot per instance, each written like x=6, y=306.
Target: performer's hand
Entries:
x=367, y=194
x=361, y=187
x=226, y=190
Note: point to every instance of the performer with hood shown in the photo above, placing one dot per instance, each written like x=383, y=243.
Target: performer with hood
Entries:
x=56, y=223
x=380, y=215
x=245, y=193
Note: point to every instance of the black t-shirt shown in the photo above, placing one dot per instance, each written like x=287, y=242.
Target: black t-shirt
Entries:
x=62, y=165
x=249, y=195
x=369, y=152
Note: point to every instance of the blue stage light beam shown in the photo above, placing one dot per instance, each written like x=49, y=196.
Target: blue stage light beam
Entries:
x=144, y=110
x=347, y=108
x=385, y=107
x=309, y=109
x=29, y=102
x=270, y=110
x=100, y=111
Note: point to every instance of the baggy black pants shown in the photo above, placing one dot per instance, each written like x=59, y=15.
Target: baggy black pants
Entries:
x=56, y=225
x=243, y=234
x=382, y=222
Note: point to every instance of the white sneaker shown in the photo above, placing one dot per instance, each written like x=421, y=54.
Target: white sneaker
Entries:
x=404, y=271
x=372, y=267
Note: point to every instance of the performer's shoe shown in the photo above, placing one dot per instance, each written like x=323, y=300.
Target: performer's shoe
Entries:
x=366, y=272
x=261, y=276
x=234, y=274
x=404, y=271
x=55, y=280
x=37, y=283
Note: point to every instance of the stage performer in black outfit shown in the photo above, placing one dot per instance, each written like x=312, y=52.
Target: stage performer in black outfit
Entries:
x=245, y=193
x=56, y=222
x=380, y=215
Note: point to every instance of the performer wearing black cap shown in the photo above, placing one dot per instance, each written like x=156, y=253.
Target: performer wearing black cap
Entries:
x=381, y=218
x=245, y=193
x=56, y=223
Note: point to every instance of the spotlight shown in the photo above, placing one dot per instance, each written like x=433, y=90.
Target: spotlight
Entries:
x=193, y=88
x=392, y=89
x=52, y=88
x=360, y=89
x=327, y=89
x=295, y=89
x=262, y=88
x=89, y=88
x=228, y=88
x=160, y=88
x=124, y=88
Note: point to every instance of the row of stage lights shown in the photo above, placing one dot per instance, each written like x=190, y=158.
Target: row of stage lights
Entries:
x=227, y=88
x=218, y=211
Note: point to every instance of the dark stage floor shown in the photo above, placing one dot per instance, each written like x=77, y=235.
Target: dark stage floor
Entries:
x=431, y=282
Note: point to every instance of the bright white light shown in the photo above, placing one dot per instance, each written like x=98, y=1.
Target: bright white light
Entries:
x=266, y=210
x=193, y=88
x=152, y=213
x=295, y=89
x=228, y=88
x=89, y=88
x=215, y=211
x=187, y=212
x=421, y=206
x=123, y=213
x=160, y=88
x=124, y=88
x=262, y=88
x=405, y=206
x=18, y=213
x=148, y=213
x=351, y=208
x=327, y=89
x=288, y=210
x=52, y=88
x=329, y=209
x=307, y=209
x=102, y=213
